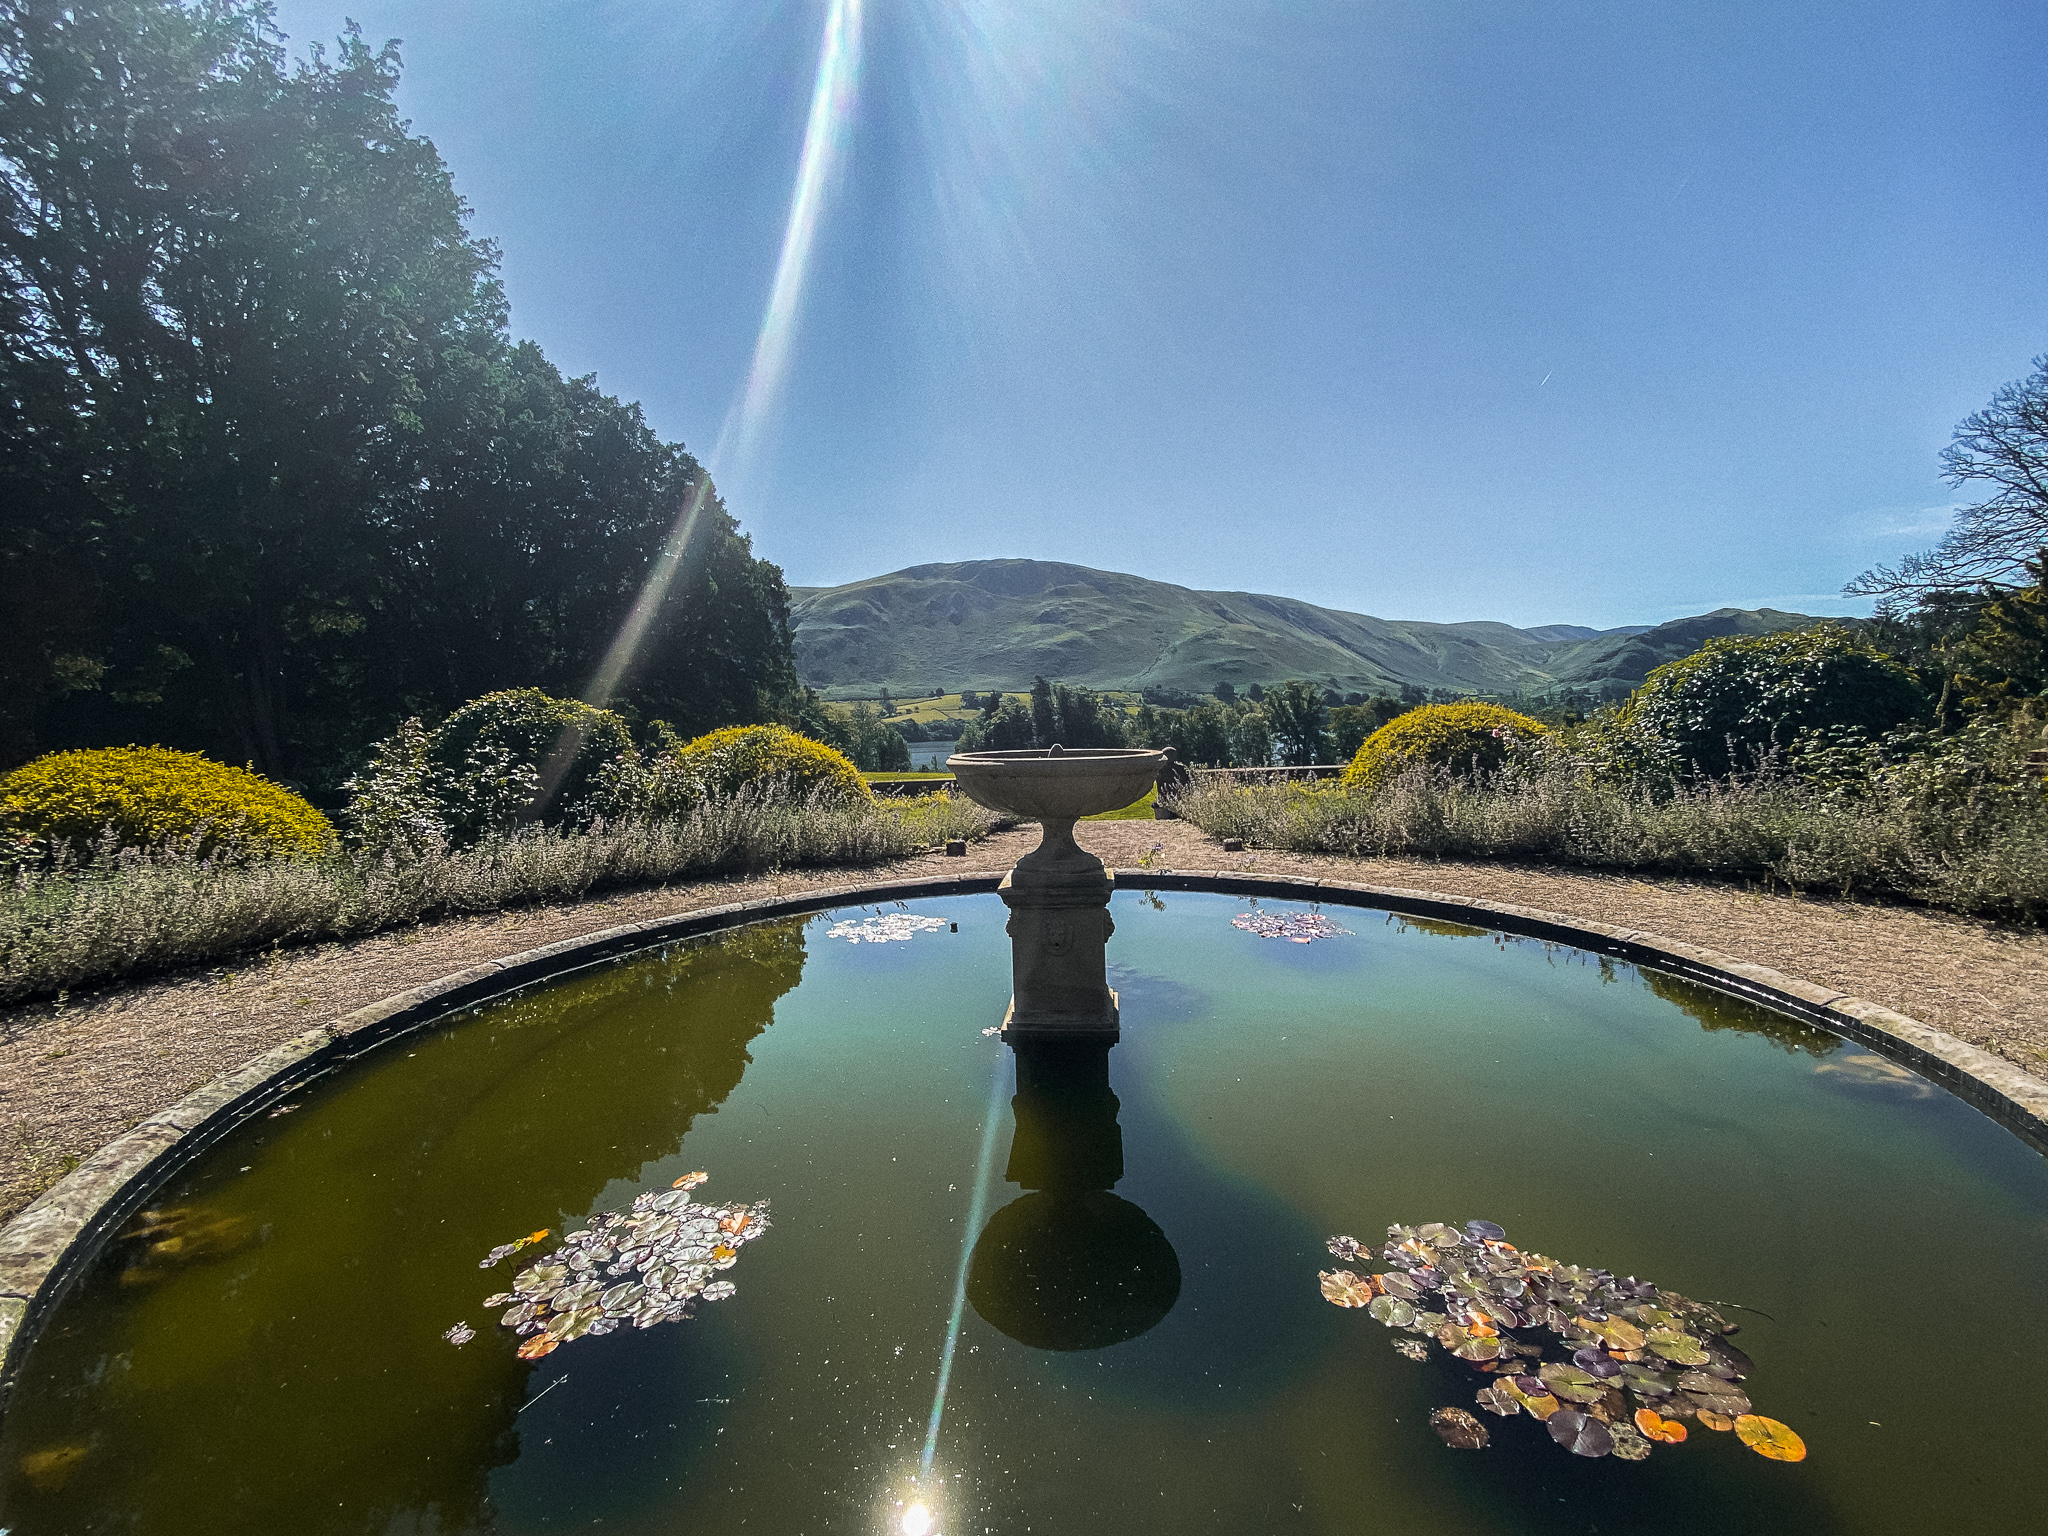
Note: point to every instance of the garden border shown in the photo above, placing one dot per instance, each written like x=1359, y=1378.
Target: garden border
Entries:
x=46, y=1246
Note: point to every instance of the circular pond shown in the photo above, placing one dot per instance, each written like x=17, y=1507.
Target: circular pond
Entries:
x=1095, y=1308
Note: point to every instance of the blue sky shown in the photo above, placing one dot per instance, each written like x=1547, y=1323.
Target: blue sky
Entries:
x=1584, y=313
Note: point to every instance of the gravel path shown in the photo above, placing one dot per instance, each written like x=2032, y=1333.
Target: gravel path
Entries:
x=74, y=1076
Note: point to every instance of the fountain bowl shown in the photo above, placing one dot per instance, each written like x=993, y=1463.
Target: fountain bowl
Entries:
x=1057, y=784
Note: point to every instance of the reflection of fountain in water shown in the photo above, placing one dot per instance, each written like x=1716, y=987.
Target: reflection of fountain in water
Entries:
x=1069, y=1265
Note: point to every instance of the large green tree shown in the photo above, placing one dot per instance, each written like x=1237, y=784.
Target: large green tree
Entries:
x=272, y=475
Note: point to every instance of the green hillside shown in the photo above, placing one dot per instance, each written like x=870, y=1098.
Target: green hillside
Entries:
x=997, y=623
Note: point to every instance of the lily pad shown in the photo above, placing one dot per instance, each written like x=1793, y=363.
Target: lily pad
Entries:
x=1458, y=1429
x=1343, y=1288
x=1619, y=1333
x=1657, y=1427
x=1485, y=1232
x=1569, y=1382
x=1497, y=1399
x=1392, y=1311
x=540, y=1278
x=1580, y=1433
x=1679, y=1348
x=1596, y=1362
x=1344, y=1248
x=1394, y=1283
x=1437, y=1235
x=1723, y=1358
x=1767, y=1437
x=1628, y=1445
x=1475, y=1348
x=1644, y=1382
x=1411, y=1349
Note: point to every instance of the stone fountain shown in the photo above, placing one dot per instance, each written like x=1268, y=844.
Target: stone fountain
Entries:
x=1058, y=894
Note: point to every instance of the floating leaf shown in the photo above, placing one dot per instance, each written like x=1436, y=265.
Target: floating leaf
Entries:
x=1724, y=1358
x=1569, y=1382
x=1344, y=1248
x=1596, y=1362
x=540, y=1344
x=1392, y=1311
x=1344, y=1289
x=1711, y=1420
x=1476, y=1348
x=1458, y=1429
x=1628, y=1445
x=460, y=1334
x=1656, y=1427
x=540, y=1278
x=1645, y=1382
x=1411, y=1349
x=1499, y=1400
x=690, y=1181
x=1298, y=927
x=1712, y=1392
x=718, y=1290
x=1767, y=1437
x=1580, y=1433
x=1679, y=1348
x=498, y=1300
x=1394, y=1283
x=1484, y=1232
x=1619, y=1333
x=1437, y=1235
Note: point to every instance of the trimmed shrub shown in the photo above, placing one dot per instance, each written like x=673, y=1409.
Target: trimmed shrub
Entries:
x=751, y=756
x=1454, y=736
x=498, y=762
x=153, y=795
x=1742, y=698
x=524, y=746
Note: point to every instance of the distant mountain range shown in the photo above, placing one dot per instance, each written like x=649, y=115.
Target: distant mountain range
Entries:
x=998, y=623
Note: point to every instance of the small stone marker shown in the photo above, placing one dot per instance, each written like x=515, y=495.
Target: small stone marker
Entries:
x=1233, y=845
x=957, y=848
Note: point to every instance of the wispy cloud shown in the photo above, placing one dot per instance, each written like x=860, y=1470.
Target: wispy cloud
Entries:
x=1910, y=522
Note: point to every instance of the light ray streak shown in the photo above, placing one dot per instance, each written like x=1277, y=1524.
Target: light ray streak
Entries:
x=825, y=137
x=826, y=132
x=977, y=1208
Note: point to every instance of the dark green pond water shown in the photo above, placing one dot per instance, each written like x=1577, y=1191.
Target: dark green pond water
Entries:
x=280, y=1366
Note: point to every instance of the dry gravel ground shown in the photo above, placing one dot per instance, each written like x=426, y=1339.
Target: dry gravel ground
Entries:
x=75, y=1074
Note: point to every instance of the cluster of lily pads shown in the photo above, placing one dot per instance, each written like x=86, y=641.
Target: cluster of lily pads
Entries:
x=1572, y=1347
x=647, y=1266
x=888, y=928
x=1295, y=927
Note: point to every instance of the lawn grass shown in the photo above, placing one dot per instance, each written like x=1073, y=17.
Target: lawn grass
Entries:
x=1137, y=810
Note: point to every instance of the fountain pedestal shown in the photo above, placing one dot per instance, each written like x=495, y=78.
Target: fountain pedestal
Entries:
x=1058, y=894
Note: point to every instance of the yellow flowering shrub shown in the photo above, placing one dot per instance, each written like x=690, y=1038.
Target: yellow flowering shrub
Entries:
x=1440, y=735
x=148, y=794
x=741, y=755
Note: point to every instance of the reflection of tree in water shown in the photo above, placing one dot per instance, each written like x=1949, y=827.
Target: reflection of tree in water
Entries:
x=1714, y=1011
x=317, y=1348
x=1436, y=928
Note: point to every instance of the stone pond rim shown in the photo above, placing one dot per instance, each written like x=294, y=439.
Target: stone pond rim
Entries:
x=50, y=1242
